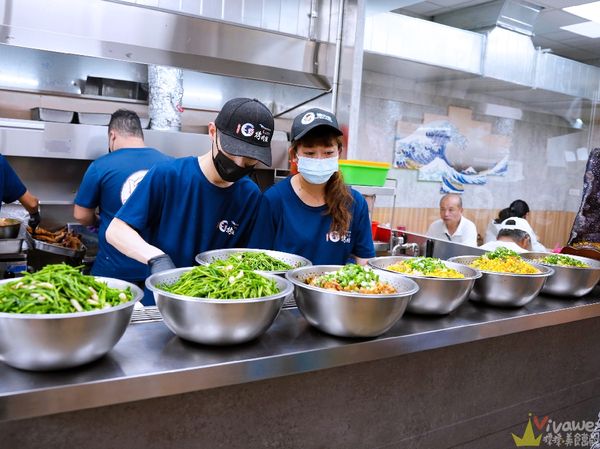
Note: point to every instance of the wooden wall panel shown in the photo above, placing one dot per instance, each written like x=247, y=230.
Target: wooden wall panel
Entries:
x=552, y=227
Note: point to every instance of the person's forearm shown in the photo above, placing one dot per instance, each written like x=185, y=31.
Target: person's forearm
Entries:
x=29, y=202
x=360, y=260
x=84, y=215
x=124, y=238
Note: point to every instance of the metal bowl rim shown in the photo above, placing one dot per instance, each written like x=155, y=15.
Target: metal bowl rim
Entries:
x=289, y=288
x=581, y=258
x=476, y=273
x=546, y=270
x=254, y=250
x=12, y=222
x=288, y=275
x=138, y=294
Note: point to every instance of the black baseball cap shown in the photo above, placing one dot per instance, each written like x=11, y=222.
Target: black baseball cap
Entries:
x=311, y=119
x=245, y=129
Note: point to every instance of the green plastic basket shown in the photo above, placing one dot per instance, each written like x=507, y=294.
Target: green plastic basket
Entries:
x=364, y=173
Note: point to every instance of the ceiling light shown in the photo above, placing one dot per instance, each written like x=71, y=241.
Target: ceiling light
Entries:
x=588, y=29
x=589, y=11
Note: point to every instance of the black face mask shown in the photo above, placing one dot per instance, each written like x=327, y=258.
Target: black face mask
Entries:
x=228, y=170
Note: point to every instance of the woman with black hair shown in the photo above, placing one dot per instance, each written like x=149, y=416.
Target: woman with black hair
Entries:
x=519, y=210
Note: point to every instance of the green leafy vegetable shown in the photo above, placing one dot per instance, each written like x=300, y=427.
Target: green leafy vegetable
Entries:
x=59, y=288
x=257, y=261
x=221, y=280
x=501, y=253
x=566, y=261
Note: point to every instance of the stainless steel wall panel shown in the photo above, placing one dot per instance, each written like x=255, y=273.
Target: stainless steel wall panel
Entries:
x=426, y=42
x=510, y=57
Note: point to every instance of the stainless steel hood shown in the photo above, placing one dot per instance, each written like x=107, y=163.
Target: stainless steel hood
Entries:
x=500, y=58
x=130, y=33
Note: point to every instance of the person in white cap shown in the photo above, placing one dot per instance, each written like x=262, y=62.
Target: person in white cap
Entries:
x=512, y=235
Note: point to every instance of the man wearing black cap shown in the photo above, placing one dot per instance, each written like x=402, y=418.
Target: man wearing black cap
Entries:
x=191, y=205
x=314, y=213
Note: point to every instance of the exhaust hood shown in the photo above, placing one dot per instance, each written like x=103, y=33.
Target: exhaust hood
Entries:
x=502, y=60
x=127, y=32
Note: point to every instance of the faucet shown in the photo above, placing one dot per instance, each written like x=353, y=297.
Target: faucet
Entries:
x=396, y=243
x=411, y=249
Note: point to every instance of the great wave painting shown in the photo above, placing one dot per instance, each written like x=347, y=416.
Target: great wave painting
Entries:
x=454, y=150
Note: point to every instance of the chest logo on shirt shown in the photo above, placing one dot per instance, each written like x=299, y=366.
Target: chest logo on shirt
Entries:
x=228, y=227
x=335, y=237
x=131, y=183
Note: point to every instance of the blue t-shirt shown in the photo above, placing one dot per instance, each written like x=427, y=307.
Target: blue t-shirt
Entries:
x=185, y=214
x=285, y=223
x=107, y=184
x=11, y=186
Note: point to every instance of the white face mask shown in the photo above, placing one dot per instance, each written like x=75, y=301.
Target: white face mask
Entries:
x=317, y=171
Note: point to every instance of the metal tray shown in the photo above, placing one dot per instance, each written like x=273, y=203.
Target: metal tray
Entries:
x=52, y=115
x=93, y=118
x=10, y=246
x=54, y=249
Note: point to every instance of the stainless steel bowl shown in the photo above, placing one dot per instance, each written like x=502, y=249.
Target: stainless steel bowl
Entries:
x=216, y=321
x=220, y=254
x=350, y=314
x=64, y=340
x=506, y=289
x=9, y=228
x=569, y=281
x=436, y=296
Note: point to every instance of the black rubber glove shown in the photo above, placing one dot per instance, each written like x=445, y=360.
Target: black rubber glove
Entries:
x=34, y=220
x=160, y=263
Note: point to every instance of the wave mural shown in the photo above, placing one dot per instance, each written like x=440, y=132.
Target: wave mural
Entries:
x=441, y=152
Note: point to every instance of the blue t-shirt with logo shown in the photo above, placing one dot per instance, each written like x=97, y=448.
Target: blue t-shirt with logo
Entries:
x=11, y=186
x=184, y=214
x=107, y=184
x=286, y=223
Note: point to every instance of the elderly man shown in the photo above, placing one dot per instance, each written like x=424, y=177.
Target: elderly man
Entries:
x=452, y=225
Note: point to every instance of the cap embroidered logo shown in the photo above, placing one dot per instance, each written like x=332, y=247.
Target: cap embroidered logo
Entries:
x=247, y=129
x=308, y=118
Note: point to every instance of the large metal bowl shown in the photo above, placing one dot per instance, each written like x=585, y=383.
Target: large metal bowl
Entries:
x=294, y=260
x=506, y=289
x=216, y=321
x=569, y=281
x=9, y=228
x=64, y=340
x=436, y=296
x=350, y=314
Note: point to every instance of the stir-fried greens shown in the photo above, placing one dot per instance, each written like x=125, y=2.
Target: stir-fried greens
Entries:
x=352, y=278
x=503, y=260
x=562, y=260
x=257, y=261
x=59, y=288
x=221, y=280
x=425, y=266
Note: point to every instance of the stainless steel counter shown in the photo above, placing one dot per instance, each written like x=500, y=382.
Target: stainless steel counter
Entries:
x=151, y=362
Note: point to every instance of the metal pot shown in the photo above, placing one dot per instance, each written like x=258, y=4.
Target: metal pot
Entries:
x=9, y=228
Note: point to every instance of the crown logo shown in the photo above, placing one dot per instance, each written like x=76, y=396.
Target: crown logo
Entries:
x=528, y=439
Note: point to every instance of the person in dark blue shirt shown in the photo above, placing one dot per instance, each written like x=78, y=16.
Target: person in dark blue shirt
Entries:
x=314, y=213
x=108, y=183
x=195, y=204
x=13, y=189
